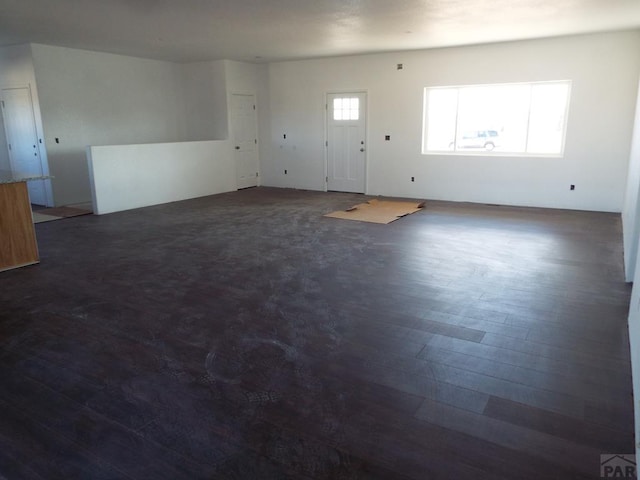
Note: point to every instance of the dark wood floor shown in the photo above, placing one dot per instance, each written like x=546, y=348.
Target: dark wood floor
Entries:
x=245, y=336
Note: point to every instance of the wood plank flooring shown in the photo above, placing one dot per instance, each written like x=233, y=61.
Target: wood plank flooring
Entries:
x=246, y=336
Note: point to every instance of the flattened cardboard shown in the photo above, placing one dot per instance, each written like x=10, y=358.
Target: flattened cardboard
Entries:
x=378, y=211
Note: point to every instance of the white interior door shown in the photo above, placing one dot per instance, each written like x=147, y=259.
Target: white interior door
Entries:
x=346, y=142
x=22, y=139
x=244, y=134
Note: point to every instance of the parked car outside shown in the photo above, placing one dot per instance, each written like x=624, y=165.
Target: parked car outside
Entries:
x=487, y=139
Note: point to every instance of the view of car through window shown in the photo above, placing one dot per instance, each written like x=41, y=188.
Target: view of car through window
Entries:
x=480, y=139
x=497, y=119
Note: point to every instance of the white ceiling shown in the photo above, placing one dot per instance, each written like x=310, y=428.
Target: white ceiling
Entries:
x=268, y=30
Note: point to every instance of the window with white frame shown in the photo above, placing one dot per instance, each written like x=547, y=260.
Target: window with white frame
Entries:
x=516, y=118
x=346, y=108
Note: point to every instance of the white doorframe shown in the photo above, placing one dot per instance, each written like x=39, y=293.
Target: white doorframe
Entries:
x=255, y=120
x=326, y=134
x=40, y=146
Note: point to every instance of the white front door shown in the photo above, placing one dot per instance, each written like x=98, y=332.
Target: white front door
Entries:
x=346, y=142
x=244, y=134
x=22, y=139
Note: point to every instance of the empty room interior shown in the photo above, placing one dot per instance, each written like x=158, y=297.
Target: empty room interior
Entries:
x=189, y=287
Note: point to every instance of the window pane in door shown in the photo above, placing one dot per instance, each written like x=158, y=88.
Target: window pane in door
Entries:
x=346, y=108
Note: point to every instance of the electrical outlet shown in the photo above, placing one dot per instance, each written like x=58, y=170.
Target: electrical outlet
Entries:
x=387, y=137
x=572, y=187
x=413, y=179
x=285, y=172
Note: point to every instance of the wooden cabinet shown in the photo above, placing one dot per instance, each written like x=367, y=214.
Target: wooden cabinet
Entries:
x=18, y=245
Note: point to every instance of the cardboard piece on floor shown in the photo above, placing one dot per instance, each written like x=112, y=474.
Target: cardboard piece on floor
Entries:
x=378, y=211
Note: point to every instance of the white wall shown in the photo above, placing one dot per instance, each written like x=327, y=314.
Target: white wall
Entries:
x=131, y=176
x=604, y=69
x=123, y=177
x=16, y=71
x=17, y=66
x=91, y=98
x=631, y=236
x=242, y=77
x=205, y=97
x=631, y=207
x=634, y=341
x=207, y=88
